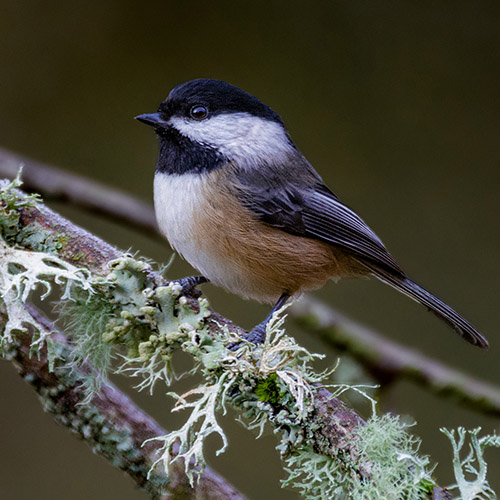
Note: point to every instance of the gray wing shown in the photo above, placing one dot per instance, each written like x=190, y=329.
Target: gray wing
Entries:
x=315, y=212
x=311, y=210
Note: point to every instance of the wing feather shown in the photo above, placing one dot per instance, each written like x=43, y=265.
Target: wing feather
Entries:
x=315, y=212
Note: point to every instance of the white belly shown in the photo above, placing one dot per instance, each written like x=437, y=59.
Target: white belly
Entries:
x=179, y=204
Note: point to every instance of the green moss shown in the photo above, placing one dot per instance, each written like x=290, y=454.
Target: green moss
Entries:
x=269, y=391
x=78, y=256
x=61, y=240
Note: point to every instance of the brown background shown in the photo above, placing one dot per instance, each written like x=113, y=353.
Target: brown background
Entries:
x=396, y=103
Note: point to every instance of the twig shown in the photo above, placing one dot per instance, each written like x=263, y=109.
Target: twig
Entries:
x=386, y=359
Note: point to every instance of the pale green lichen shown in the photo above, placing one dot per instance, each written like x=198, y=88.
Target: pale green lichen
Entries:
x=315, y=476
x=396, y=470
x=23, y=272
x=473, y=465
x=85, y=318
x=272, y=383
x=202, y=422
x=115, y=442
x=133, y=310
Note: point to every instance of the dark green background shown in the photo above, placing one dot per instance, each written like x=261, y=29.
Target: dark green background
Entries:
x=396, y=103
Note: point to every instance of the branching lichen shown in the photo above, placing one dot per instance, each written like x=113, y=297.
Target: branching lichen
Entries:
x=202, y=422
x=133, y=310
x=474, y=464
x=21, y=273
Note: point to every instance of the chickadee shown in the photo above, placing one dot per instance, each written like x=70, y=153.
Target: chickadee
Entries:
x=237, y=199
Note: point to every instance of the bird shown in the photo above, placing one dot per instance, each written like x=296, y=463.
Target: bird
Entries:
x=237, y=199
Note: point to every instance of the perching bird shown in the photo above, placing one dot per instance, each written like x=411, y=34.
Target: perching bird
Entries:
x=237, y=199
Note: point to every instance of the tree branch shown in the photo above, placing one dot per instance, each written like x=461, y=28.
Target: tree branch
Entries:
x=386, y=359
x=335, y=422
x=110, y=423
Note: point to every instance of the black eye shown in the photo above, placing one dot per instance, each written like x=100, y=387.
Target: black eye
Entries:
x=199, y=112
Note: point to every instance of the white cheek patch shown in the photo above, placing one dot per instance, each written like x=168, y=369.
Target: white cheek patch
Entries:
x=240, y=137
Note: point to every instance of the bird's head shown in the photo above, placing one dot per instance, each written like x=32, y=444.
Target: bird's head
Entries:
x=221, y=120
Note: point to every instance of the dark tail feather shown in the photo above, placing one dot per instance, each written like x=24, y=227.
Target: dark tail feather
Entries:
x=433, y=304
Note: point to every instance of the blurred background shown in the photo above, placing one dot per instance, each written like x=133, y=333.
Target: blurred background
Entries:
x=395, y=103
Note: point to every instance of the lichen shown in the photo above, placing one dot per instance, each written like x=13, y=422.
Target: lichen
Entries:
x=315, y=476
x=85, y=318
x=473, y=465
x=88, y=421
x=39, y=237
x=10, y=204
x=396, y=469
x=201, y=423
x=135, y=311
x=21, y=273
x=268, y=383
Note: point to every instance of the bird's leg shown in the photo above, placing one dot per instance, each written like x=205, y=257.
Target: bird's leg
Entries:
x=258, y=334
x=190, y=283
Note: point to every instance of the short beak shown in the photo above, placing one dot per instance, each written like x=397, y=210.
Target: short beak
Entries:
x=153, y=119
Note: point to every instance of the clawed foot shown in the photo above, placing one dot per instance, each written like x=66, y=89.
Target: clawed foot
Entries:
x=256, y=335
x=190, y=283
